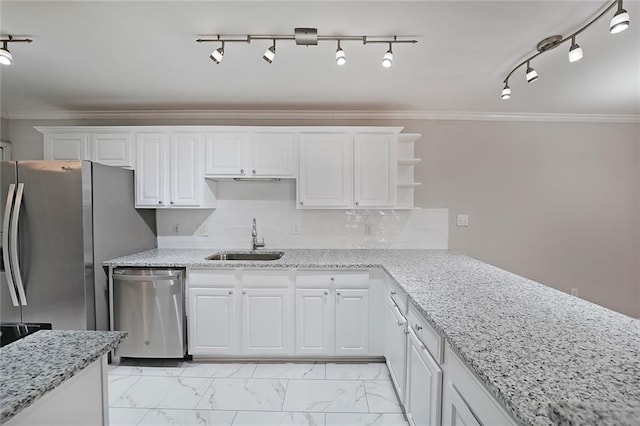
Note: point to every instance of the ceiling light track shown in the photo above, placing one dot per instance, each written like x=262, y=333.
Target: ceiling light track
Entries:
x=6, y=58
x=306, y=37
x=619, y=22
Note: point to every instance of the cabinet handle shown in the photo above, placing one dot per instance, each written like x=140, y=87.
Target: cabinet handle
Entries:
x=418, y=327
x=242, y=171
x=393, y=293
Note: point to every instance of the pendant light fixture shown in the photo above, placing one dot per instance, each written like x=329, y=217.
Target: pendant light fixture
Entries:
x=387, y=59
x=341, y=58
x=619, y=23
x=6, y=58
x=308, y=37
x=270, y=53
x=620, y=20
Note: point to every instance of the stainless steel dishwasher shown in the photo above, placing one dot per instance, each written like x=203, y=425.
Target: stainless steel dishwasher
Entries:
x=149, y=304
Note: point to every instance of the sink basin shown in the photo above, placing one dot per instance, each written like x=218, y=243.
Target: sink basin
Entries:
x=259, y=256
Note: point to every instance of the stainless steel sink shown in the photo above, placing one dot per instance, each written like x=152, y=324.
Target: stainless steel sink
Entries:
x=258, y=256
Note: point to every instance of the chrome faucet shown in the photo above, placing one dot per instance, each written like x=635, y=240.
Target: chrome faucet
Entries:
x=254, y=237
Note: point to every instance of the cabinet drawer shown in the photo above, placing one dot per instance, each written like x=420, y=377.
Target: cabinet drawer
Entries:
x=426, y=334
x=265, y=278
x=211, y=278
x=322, y=279
x=398, y=296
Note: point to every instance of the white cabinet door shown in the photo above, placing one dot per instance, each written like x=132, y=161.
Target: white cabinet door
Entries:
x=314, y=312
x=326, y=166
x=455, y=411
x=375, y=170
x=352, y=322
x=152, y=167
x=273, y=154
x=186, y=181
x=212, y=321
x=226, y=154
x=266, y=326
x=424, y=385
x=71, y=146
x=395, y=346
x=112, y=149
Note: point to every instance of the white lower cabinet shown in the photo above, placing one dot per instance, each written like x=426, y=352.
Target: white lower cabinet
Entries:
x=352, y=322
x=314, y=320
x=267, y=328
x=212, y=321
x=395, y=346
x=456, y=412
x=424, y=384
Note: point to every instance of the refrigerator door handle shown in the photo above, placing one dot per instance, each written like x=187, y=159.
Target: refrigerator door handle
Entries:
x=5, y=245
x=15, y=262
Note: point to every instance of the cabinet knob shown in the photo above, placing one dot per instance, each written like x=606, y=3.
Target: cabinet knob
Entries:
x=171, y=202
x=333, y=279
x=400, y=323
x=159, y=202
x=393, y=293
x=230, y=292
x=242, y=171
x=253, y=172
x=338, y=294
x=357, y=203
x=406, y=332
x=326, y=293
x=301, y=203
x=418, y=327
x=244, y=292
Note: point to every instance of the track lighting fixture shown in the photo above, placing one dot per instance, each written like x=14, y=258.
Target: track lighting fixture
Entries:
x=270, y=53
x=307, y=37
x=216, y=55
x=387, y=59
x=531, y=75
x=341, y=58
x=506, y=91
x=575, y=51
x=6, y=58
x=619, y=23
x=620, y=20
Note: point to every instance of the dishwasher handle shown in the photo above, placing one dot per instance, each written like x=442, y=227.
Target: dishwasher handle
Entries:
x=173, y=275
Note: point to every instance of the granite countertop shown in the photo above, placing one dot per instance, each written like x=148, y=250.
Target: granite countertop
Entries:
x=536, y=349
x=37, y=364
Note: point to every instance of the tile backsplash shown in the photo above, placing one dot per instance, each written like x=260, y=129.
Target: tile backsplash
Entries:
x=284, y=226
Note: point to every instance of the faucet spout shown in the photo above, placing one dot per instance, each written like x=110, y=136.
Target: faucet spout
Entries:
x=254, y=237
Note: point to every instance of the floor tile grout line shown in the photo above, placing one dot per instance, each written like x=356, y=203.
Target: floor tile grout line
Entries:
x=204, y=393
x=126, y=390
x=234, y=418
x=366, y=397
x=143, y=417
x=284, y=397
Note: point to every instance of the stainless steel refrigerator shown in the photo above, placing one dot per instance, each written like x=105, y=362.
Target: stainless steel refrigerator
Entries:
x=60, y=221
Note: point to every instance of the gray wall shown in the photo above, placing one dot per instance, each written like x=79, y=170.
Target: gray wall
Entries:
x=4, y=130
x=555, y=202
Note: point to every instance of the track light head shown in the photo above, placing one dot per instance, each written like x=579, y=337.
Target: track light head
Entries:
x=531, y=74
x=5, y=56
x=341, y=58
x=620, y=20
x=387, y=59
x=216, y=55
x=575, y=52
x=270, y=53
x=506, y=92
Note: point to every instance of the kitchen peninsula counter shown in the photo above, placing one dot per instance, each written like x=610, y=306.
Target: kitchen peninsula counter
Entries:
x=540, y=352
x=34, y=366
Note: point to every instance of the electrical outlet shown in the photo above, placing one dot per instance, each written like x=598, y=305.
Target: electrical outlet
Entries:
x=176, y=228
x=203, y=230
x=462, y=220
x=574, y=291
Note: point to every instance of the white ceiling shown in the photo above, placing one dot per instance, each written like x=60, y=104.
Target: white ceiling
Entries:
x=142, y=55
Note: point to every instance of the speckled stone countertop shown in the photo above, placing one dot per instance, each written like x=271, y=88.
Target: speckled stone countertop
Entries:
x=37, y=364
x=537, y=350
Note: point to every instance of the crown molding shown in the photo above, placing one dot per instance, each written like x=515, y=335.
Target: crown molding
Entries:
x=320, y=115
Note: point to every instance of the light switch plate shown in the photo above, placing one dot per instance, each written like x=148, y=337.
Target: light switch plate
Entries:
x=462, y=220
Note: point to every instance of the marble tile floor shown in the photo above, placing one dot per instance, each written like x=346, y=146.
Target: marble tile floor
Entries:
x=164, y=392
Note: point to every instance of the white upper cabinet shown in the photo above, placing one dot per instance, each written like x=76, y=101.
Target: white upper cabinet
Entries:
x=274, y=154
x=326, y=166
x=250, y=155
x=168, y=170
x=112, y=149
x=226, y=153
x=375, y=170
x=151, y=170
x=72, y=146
